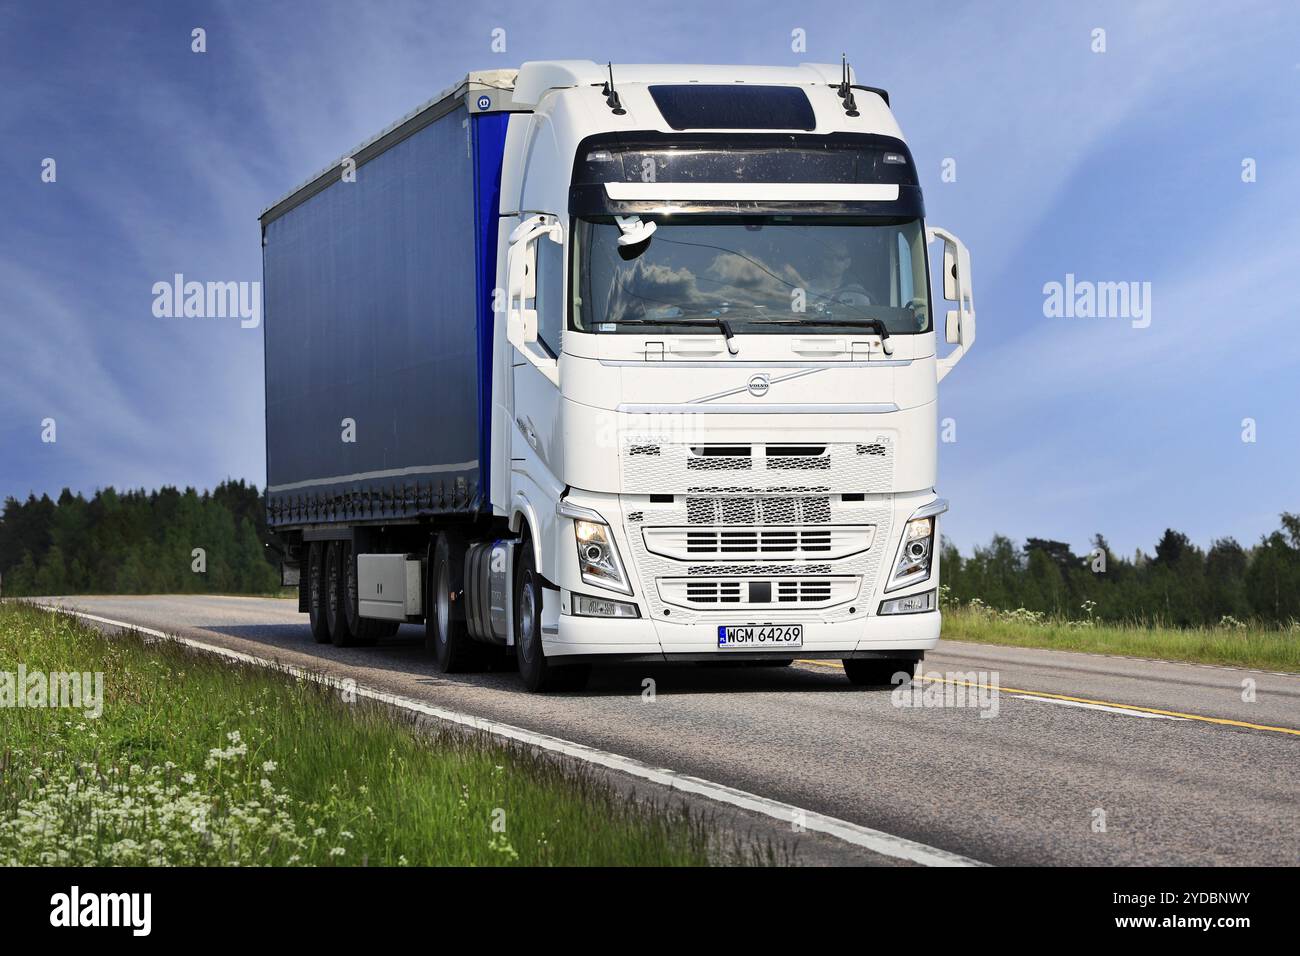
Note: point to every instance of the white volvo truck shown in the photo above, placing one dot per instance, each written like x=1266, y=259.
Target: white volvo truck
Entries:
x=583, y=364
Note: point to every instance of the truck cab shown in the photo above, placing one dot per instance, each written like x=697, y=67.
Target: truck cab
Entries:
x=717, y=364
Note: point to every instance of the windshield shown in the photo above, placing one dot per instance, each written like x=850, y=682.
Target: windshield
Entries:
x=761, y=275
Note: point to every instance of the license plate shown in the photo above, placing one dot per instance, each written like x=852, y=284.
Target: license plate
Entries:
x=760, y=636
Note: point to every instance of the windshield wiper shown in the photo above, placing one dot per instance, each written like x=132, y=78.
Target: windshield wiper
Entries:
x=723, y=325
x=875, y=325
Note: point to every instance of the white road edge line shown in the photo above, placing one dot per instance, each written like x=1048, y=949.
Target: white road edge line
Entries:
x=1086, y=706
x=877, y=841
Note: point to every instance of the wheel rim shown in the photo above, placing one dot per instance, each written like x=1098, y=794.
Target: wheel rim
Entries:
x=526, y=615
x=444, y=602
x=314, y=583
x=350, y=580
x=332, y=588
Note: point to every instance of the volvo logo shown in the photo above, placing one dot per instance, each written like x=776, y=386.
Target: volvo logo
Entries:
x=758, y=385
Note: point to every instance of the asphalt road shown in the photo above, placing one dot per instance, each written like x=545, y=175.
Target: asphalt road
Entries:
x=1027, y=784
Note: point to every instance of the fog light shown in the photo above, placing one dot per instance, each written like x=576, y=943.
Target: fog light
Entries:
x=912, y=604
x=602, y=607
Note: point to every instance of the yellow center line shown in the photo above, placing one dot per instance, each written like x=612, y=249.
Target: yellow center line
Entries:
x=1087, y=700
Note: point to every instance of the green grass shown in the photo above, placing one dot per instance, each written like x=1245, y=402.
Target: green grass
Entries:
x=200, y=761
x=1276, y=649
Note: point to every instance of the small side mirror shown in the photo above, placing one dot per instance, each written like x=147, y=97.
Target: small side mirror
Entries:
x=959, y=325
x=950, y=282
x=528, y=326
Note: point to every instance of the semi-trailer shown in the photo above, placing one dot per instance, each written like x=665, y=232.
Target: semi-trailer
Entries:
x=586, y=364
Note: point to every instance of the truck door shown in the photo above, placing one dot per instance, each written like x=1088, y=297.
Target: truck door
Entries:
x=536, y=450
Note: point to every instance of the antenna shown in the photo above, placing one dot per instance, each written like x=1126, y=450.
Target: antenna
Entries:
x=846, y=88
x=611, y=94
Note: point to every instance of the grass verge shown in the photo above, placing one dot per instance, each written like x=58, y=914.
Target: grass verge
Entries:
x=201, y=761
x=1274, y=649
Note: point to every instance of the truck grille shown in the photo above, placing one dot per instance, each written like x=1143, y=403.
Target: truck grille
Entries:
x=740, y=543
x=793, y=530
x=719, y=593
x=652, y=465
x=815, y=509
x=695, y=556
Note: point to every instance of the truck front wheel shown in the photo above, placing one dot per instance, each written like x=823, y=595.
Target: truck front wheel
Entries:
x=538, y=673
x=320, y=628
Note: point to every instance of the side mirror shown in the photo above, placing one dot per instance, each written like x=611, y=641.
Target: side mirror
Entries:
x=521, y=271
x=959, y=325
x=950, y=291
x=952, y=328
x=521, y=288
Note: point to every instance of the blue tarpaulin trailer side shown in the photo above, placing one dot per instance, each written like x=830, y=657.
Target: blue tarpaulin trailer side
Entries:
x=378, y=326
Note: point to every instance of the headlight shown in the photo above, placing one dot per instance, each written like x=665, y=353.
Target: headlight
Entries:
x=915, y=553
x=598, y=558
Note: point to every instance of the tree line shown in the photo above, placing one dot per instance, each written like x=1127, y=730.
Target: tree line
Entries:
x=172, y=541
x=138, y=542
x=1180, y=585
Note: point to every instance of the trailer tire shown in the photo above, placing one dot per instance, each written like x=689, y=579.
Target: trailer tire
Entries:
x=539, y=674
x=446, y=635
x=867, y=672
x=336, y=595
x=365, y=631
x=320, y=628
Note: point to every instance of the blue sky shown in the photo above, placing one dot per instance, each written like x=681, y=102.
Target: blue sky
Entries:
x=1115, y=166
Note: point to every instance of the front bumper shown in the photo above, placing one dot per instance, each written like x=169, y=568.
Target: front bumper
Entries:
x=647, y=639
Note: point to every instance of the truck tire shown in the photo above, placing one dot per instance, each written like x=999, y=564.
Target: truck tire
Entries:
x=365, y=631
x=538, y=673
x=320, y=628
x=868, y=672
x=336, y=595
x=446, y=634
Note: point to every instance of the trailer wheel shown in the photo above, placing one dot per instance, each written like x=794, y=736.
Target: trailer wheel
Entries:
x=336, y=595
x=538, y=673
x=320, y=628
x=446, y=634
x=364, y=630
x=866, y=672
